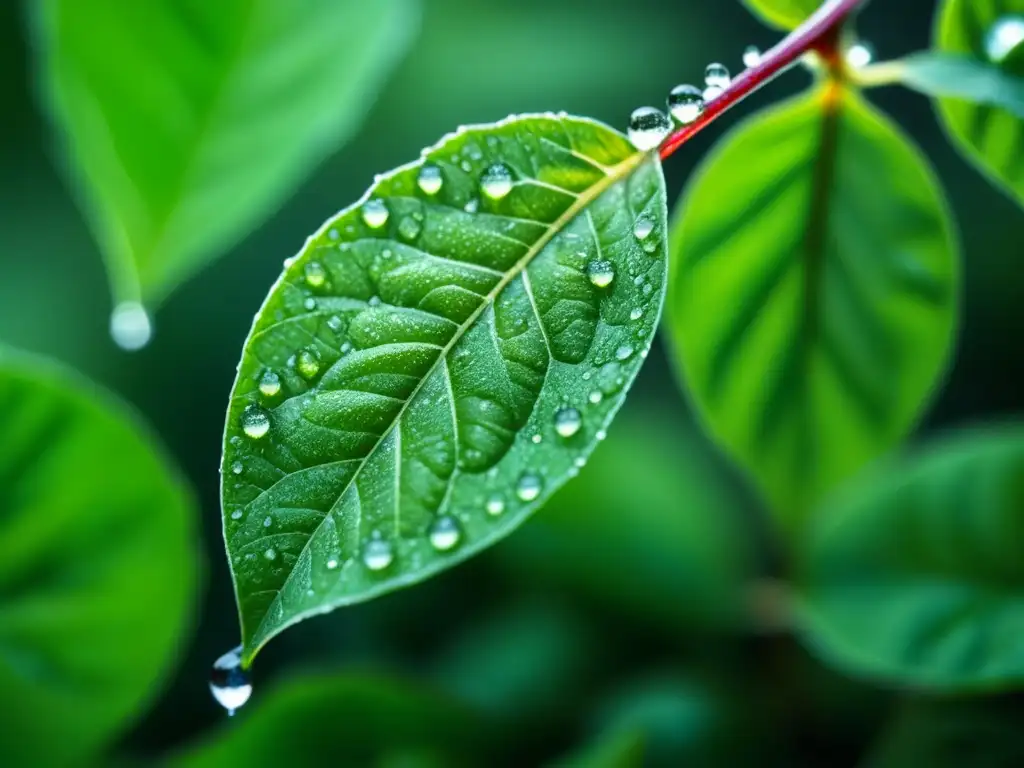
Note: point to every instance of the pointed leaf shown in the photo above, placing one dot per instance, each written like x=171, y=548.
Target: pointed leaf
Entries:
x=436, y=362
x=991, y=135
x=98, y=566
x=914, y=575
x=185, y=122
x=813, y=293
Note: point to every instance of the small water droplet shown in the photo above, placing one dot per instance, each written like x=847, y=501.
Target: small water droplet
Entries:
x=409, y=228
x=270, y=383
x=686, y=103
x=712, y=92
x=307, y=363
x=472, y=206
x=601, y=273
x=377, y=555
x=496, y=181
x=495, y=506
x=375, y=213
x=648, y=127
x=580, y=462
x=268, y=521
x=270, y=554
x=236, y=515
x=255, y=422
x=130, y=327
x=751, y=56
x=859, y=55
x=529, y=487
x=595, y=397
x=333, y=234
x=374, y=301
x=624, y=352
x=642, y=228
x=445, y=533
x=309, y=304
x=334, y=323
x=1005, y=34
x=315, y=274
x=717, y=76
x=237, y=467
x=332, y=564
x=601, y=434
x=568, y=421
x=229, y=683
x=636, y=313
x=536, y=439
x=586, y=375
x=430, y=179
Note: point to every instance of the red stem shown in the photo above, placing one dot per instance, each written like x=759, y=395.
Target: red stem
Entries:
x=819, y=33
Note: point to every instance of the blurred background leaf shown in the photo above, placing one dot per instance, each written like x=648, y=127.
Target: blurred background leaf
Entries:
x=184, y=123
x=914, y=575
x=812, y=308
x=786, y=14
x=98, y=566
x=962, y=78
x=990, y=136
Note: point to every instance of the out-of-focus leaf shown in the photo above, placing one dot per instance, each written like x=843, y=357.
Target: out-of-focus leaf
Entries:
x=813, y=295
x=98, y=567
x=618, y=749
x=649, y=528
x=186, y=122
x=914, y=575
x=787, y=14
x=960, y=77
x=990, y=134
x=436, y=361
x=355, y=720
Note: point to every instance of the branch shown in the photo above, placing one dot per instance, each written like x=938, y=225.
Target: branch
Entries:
x=818, y=33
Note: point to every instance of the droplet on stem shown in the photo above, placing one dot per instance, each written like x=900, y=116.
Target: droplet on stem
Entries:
x=717, y=76
x=686, y=103
x=130, y=326
x=648, y=127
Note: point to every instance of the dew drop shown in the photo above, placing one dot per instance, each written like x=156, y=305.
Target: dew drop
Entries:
x=859, y=55
x=270, y=383
x=1003, y=37
x=409, y=228
x=642, y=228
x=307, y=363
x=686, y=103
x=268, y=521
x=601, y=273
x=334, y=323
x=309, y=304
x=375, y=213
x=496, y=181
x=377, y=555
x=717, y=76
x=636, y=313
x=601, y=434
x=595, y=397
x=315, y=274
x=430, y=179
x=270, y=554
x=130, y=327
x=333, y=234
x=237, y=468
x=536, y=439
x=624, y=352
x=255, y=422
x=648, y=127
x=332, y=564
x=568, y=421
x=229, y=683
x=529, y=487
x=495, y=506
x=751, y=56
x=236, y=515
x=472, y=206
x=712, y=92
x=444, y=533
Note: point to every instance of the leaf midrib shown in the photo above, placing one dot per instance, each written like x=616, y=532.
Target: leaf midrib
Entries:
x=613, y=175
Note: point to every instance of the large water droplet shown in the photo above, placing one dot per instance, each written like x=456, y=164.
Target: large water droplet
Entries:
x=445, y=533
x=255, y=422
x=315, y=274
x=130, y=327
x=496, y=181
x=601, y=273
x=1003, y=37
x=495, y=506
x=307, y=363
x=270, y=383
x=717, y=76
x=568, y=421
x=648, y=127
x=686, y=103
x=377, y=555
x=229, y=683
x=642, y=228
x=751, y=56
x=529, y=487
x=430, y=179
x=375, y=213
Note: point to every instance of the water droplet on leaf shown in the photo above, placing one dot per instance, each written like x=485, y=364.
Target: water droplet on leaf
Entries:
x=642, y=228
x=496, y=181
x=444, y=533
x=529, y=487
x=568, y=421
x=270, y=383
x=375, y=213
x=430, y=179
x=409, y=228
x=315, y=274
x=648, y=127
x=307, y=363
x=495, y=506
x=255, y=422
x=601, y=273
x=377, y=555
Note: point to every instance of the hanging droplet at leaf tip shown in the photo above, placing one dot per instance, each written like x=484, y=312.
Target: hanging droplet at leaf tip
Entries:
x=130, y=326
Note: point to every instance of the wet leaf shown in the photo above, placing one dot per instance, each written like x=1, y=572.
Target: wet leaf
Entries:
x=813, y=296
x=98, y=566
x=436, y=361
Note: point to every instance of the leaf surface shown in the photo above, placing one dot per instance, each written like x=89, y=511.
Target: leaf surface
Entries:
x=814, y=284
x=437, y=361
x=785, y=14
x=991, y=135
x=98, y=566
x=914, y=575
x=185, y=122
x=963, y=78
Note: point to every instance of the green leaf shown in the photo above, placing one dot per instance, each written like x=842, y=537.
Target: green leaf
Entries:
x=914, y=575
x=396, y=404
x=618, y=749
x=185, y=122
x=785, y=14
x=98, y=566
x=650, y=516
x=356, y=719
x=937, y=74
x=813, y=294
x=989, y=134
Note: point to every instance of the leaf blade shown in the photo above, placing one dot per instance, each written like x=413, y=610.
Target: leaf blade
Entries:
x=436, y=335
x=785, y=14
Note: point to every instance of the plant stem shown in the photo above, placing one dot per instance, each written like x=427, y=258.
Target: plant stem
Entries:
x=819, y=33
